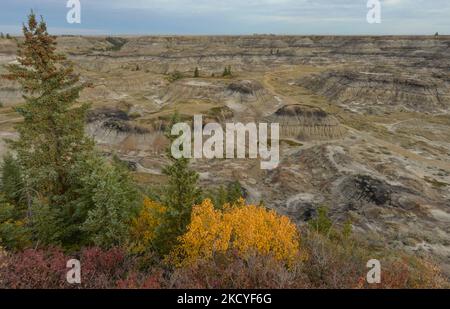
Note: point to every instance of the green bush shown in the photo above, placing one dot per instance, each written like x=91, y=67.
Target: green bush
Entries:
x=227, y=194
x=322, y=224
x=227, y=71
x=174, y=76
x=14, y=234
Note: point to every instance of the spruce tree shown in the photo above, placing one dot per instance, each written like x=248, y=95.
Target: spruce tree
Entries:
x=225, y=72
x=74, y=196
x=107, y=201
x=180, y=195
x=51, y=136
x=11, y=184
x=52, y=133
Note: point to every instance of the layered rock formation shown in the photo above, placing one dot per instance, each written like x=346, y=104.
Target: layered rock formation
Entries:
x=306, y=122
x=365, y=91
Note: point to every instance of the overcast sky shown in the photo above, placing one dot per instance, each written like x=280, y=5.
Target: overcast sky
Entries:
x=347, y=17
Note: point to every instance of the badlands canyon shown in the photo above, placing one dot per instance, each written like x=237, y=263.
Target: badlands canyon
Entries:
x=364, y=121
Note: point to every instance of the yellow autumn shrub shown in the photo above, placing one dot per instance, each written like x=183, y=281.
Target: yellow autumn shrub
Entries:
x=143, y=227
x=240, y=227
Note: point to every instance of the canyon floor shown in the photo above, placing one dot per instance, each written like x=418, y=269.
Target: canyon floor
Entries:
x=365, y=121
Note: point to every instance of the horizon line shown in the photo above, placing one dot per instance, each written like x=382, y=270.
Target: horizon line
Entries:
x=232, y=35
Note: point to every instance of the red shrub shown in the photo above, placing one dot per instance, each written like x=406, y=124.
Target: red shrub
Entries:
x=409, y=272
x=140, y=281
x=329, y=265
x=46, y=269
x=229, y=271
x=101, y=269
x=35, y=269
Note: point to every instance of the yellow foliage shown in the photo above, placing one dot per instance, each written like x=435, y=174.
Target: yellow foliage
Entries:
x=144, y=225
x=206, y=233
x=240, y=227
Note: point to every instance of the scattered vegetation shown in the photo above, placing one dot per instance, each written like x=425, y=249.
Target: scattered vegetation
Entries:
x=228, y=194
x=227, y=71
x=174, y=76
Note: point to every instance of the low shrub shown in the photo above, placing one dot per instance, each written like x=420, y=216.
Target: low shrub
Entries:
x=329, y=265
x=103, y=268
x=228, y=270
x=240, y=227
x=174, y=76
x=46, y=268
x=34, y=269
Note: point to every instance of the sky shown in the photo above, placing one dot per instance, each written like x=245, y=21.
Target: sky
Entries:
x=229, y=17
